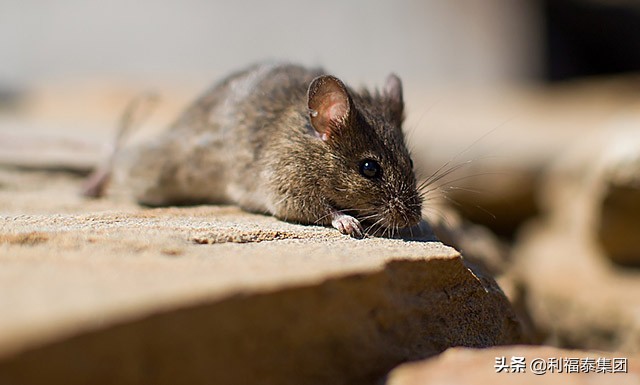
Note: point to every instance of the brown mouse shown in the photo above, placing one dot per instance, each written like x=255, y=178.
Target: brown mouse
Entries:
x=288, y=141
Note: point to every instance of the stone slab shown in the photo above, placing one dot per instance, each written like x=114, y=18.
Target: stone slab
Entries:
x=102, y=291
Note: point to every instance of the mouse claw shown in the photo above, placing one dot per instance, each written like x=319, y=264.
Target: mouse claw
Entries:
x=347, y=225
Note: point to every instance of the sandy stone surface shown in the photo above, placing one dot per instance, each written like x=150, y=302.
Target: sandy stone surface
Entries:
x=104, y=291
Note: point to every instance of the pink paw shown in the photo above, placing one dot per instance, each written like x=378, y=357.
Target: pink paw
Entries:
x=347, y=224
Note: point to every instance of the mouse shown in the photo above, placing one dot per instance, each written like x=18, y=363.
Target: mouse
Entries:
x=283, y=140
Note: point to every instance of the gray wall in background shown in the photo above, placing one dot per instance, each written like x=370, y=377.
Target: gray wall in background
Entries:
x=436, y=42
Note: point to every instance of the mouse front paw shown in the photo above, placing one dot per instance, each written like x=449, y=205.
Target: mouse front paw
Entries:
x=347, y=224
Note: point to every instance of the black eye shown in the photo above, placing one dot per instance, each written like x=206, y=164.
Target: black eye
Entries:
x=370, y=168
x=411, y=162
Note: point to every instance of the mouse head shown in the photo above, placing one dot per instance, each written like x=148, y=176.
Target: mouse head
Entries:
x=371, y=170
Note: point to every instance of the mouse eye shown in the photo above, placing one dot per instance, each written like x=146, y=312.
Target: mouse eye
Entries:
x=411, y=162
x=370, y=168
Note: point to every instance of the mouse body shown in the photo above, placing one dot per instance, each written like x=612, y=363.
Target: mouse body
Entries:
x=289, y=141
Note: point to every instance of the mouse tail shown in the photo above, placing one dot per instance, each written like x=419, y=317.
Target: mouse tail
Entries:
x=136, y=112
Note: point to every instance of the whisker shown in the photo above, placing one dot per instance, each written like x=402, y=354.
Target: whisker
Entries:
x=377, y=224
x=464, y=178
x=372, y=226
x=465, y=189
x=439, y=214
x=436, y=177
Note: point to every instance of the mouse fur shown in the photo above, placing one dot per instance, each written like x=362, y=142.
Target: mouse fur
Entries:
x=288, y=141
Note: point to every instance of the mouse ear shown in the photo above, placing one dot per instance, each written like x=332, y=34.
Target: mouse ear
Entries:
x=393, y=93
x=329, y=105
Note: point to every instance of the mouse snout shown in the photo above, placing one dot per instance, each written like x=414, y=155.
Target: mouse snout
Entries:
x=403, y=213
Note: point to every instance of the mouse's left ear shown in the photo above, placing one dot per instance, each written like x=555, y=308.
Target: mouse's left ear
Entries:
x=329, y=105
x=393, y=93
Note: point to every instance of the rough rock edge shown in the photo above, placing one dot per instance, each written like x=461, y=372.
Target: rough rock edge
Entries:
x=343, y=331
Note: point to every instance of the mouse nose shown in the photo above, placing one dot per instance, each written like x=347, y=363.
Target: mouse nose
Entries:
x=404, y=213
